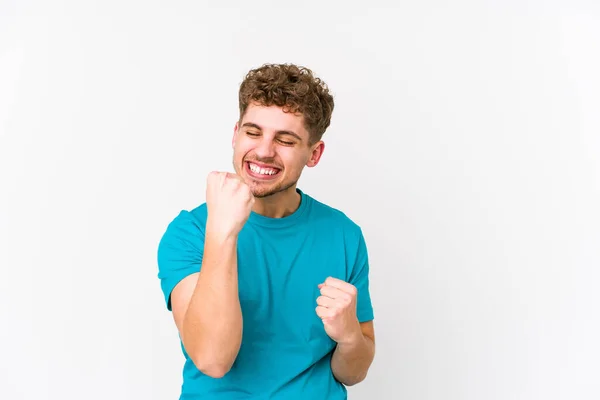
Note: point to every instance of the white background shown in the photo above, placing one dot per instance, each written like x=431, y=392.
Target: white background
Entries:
x=465, y=141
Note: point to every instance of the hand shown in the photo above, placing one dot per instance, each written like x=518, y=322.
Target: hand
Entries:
x=229, y=202
x=337, y=309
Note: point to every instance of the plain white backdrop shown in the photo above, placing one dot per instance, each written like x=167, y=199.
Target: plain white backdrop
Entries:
x=465, y=141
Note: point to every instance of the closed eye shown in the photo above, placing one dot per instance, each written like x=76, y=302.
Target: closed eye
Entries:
x=283, y=142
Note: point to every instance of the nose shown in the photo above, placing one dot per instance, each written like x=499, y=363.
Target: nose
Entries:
x=266, y=148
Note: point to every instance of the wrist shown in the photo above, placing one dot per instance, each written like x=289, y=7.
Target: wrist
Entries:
x=354, y=338
x=216, y=233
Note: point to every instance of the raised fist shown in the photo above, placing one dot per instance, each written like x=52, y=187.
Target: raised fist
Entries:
x=336, y=306
x=229, y=202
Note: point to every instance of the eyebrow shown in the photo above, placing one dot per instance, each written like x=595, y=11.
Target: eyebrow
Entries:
x=253, y=125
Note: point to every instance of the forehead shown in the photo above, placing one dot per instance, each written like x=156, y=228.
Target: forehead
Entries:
x=273, y=119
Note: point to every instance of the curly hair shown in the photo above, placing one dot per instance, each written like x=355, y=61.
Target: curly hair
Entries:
x=293, y=88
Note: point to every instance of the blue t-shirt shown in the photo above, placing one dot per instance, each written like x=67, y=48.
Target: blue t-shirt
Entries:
x=285, y=352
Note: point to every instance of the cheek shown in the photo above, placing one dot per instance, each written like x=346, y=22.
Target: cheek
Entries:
x=294, y=162
x=240, y=150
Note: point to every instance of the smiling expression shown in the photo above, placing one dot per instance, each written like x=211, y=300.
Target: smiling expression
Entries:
x=271, y=148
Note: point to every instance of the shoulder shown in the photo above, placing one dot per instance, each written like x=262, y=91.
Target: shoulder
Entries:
x=195, y=217
x=334, y=218
x=186, y=226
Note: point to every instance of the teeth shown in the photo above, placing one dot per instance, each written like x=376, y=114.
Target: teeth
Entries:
x=263, y=171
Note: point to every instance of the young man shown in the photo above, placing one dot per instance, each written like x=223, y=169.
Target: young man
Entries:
x=268, y=287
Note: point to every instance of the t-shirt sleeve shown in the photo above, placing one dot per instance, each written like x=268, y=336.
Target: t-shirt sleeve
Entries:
x=360, y=279
x=179, y=253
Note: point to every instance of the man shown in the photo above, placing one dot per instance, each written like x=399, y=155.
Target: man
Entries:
x=268, y=287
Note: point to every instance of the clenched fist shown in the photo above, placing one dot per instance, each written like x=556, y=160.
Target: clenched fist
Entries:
x=229, y=202
x=336, y=306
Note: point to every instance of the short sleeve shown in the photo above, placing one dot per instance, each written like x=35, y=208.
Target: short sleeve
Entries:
x=360, y=279
x=179, y=253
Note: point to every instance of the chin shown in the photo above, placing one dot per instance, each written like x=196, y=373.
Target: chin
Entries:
x=263, y=190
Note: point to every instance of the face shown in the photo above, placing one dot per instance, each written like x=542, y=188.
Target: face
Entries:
x=271, y=148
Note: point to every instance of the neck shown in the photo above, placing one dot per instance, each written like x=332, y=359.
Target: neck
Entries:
x=278, y=205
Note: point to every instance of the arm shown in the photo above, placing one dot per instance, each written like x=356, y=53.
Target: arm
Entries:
x=206, y=307
x=201, y=284
x=355, y=348
x=351, y=360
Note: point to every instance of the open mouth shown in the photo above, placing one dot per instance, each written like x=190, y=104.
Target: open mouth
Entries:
x=261, y=171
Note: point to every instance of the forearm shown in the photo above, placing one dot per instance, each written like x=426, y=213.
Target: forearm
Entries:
x=351, y=361
x=212, y=329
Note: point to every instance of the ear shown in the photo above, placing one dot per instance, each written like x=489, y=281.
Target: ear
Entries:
x=315, y=156
x=235, y=133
